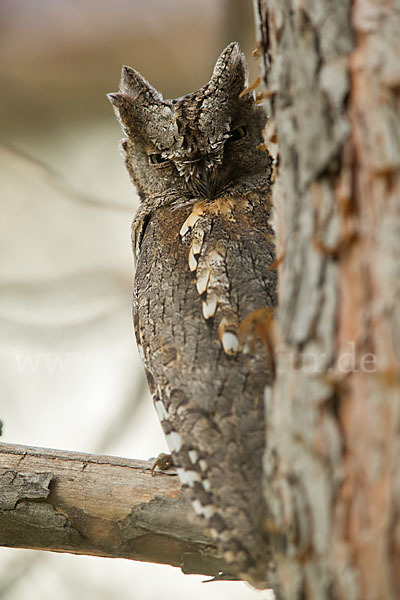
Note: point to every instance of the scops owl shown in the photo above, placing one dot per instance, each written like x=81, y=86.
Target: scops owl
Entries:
x=203, y=290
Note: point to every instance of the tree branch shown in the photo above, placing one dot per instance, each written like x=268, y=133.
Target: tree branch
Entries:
x=54, y=179
x=99, y=505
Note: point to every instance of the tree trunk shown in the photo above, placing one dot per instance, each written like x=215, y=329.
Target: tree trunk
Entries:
x=331, y=72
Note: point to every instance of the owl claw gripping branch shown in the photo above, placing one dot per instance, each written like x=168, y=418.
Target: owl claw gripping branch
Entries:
x=203, y=244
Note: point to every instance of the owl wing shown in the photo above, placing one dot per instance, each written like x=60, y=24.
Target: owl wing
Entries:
x=231, y=274
x=201, y=271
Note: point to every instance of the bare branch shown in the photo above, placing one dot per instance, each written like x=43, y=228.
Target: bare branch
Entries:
x=56, y=180
x=99, y=505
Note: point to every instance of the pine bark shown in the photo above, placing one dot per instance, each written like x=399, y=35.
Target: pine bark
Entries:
x=331, y=75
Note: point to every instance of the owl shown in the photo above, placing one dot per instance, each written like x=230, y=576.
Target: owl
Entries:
x=204, y=289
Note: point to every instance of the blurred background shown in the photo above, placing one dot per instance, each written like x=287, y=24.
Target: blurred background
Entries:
x=70, y=376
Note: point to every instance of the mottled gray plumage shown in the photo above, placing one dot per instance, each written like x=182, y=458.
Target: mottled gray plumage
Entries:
x=203, y=243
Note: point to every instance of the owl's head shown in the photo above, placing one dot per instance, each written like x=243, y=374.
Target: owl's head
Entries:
x=202, y=145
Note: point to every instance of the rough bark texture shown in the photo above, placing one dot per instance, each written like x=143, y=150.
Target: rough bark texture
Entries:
x=99, y=505
x=332, y=75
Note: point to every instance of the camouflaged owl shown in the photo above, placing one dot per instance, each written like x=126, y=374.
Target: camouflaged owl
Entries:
x=204, y=289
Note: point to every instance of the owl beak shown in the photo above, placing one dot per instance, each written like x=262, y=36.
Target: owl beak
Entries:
x=206, y=179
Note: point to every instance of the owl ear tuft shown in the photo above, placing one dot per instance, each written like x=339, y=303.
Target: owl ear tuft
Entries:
x=136, y=102
x=133, y=84
x=115, y=99
x=144, y=112
x=122, y=106
x=125, y=111
x=230, y=71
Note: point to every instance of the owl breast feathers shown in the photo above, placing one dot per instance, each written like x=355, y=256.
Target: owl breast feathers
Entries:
x=204, y=291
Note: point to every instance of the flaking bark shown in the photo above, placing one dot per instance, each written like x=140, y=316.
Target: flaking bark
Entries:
x=332, y=79
x=99, y=505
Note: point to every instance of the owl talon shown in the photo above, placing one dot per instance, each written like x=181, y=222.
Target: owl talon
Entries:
x=221, y=577
x=163, y=462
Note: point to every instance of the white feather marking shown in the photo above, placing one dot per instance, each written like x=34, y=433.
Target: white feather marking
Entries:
x=191, y=220
x=203, y=465
x=181, y=474
x=174, y=441
x=225, y=536
x=214, y=533
x=193, y=456
x=209, y=306
x=206, y=485
x=184, y=229
x=209, y=511
x=230, y=342
x=197, y=242
x=197, y=507
x=206, y=511
x=190, y=477
x=160, y=408
x=141, y=352
x=203, y=276
x=192, y=261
